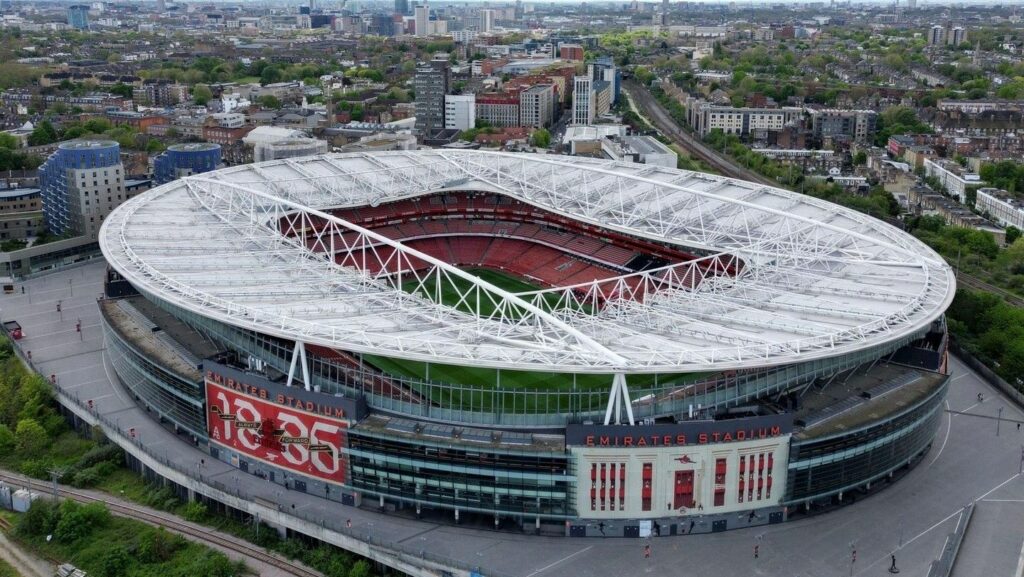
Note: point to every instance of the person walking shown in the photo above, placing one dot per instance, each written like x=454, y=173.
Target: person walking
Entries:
x=647, y=551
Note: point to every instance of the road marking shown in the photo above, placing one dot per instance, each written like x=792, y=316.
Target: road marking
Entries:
x=959, y=511
x=1003, y=500
x=563, y=559
x=949, y=427
x=1020, y=562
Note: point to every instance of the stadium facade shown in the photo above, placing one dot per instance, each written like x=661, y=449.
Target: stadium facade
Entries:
x=602, y=348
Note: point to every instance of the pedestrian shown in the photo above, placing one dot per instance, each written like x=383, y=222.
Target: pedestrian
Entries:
x=348, y=523
x=692, y=523
x=1018, y=427
x=22, y=290
x=757, y=550
x=647, y=551
x=892, y=568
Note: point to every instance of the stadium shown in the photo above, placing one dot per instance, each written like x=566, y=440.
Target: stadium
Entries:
x=539, y=342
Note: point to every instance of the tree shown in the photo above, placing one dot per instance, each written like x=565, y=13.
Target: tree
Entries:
x=122, y=89
x=1012, y=234
x=360, y=569
x=8, y=141
x=30, y=437
x=6, y=438
x=861, y=158
x=44, y=133
x=270, y=101
x=114, y=562
x=541, y=138
x=201, y=94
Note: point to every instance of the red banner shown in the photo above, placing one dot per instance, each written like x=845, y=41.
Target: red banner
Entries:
x=283, y=436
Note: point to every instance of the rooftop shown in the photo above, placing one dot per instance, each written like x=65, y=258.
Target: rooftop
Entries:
x=816, y=280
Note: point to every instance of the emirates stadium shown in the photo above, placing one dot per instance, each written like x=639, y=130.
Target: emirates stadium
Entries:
x=533, y=342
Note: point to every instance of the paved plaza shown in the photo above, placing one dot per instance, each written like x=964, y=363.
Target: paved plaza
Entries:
x=968, y=462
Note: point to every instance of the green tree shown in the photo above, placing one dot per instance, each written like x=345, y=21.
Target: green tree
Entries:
x=114, y=562
x=1012, y=234
x=360, y=569
x=30, y=437
x=201, y=94
x=861, y=158
x=6, y=438
x=44, y=133
x=541, y=138
x=8, y=141
x=270, y=101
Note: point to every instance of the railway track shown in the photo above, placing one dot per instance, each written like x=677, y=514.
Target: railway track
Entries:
x=976, y=283
x=667, y=126
x=168, y=522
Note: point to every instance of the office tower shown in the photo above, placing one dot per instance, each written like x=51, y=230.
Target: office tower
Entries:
x=431, y=83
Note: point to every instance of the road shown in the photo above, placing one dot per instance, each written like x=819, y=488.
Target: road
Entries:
x=656, y=113
x=967, y=462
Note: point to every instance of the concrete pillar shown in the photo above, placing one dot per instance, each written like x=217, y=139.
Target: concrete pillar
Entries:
x=418, y=511
x=191, y=495
x=536, y=525
x=456, y=516
x=382, y=502
x=840, y=496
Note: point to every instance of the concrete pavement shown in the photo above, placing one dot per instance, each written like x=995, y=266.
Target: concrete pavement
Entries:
x=967, y=462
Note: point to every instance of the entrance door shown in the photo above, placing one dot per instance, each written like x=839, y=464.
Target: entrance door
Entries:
x=683, y=490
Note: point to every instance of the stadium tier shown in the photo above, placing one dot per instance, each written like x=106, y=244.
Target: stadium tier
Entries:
x=592, y=347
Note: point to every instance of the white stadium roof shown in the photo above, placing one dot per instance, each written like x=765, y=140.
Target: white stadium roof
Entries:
x=817, y=281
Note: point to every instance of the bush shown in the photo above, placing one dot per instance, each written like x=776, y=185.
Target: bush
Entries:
x=195, y=512
x=86, y=478
x=114, y=562
x=157, y=545
x=41, y=519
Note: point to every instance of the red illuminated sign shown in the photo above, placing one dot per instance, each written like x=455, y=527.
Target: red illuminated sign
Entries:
x=283, y=435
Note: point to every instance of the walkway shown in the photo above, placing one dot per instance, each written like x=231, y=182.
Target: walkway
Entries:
x=967, y=462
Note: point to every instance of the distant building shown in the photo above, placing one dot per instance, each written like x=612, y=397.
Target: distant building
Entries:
x=498, y=108
x=640, y=149
x=537, y=105
x=957, y=36
x=78, y=16
x=402, y=7
x=572, y=52
x=80, y=184
x=1001, y=206
x=952, y=177
x=583, y=100
x=486, y=20
x=431, y=83
x=184, y=160
x=21, y=213
x=936, y=36
x=459, y=111
x=422, y=20
x=290, y=148
x=830, y=122
x=705, y=117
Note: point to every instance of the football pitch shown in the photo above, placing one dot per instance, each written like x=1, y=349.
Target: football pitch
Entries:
x=497, y=382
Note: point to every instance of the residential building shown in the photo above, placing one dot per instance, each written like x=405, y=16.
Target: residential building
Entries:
x=78, y=16
x=605, y=69
x=498, y=108
x=431, y=83
x=603, y=97
x=80, y=184
x=831, y=122
x=573, y=52
x=422, y=20
x=21, y=213
x=184, y=160
x=1001, y=207
x=952, y=177
x=957, y=36
x=537, y=105
x=459, y=111
x=402, y=7
x=705, y=117
x=486, y=20
x=936, y=36
x=583, y=100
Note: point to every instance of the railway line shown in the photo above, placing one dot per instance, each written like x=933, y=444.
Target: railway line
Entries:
x=667, y=126
x=167, y=521
x=976, y=283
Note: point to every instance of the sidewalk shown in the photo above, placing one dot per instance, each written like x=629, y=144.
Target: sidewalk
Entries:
x=25, y=563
